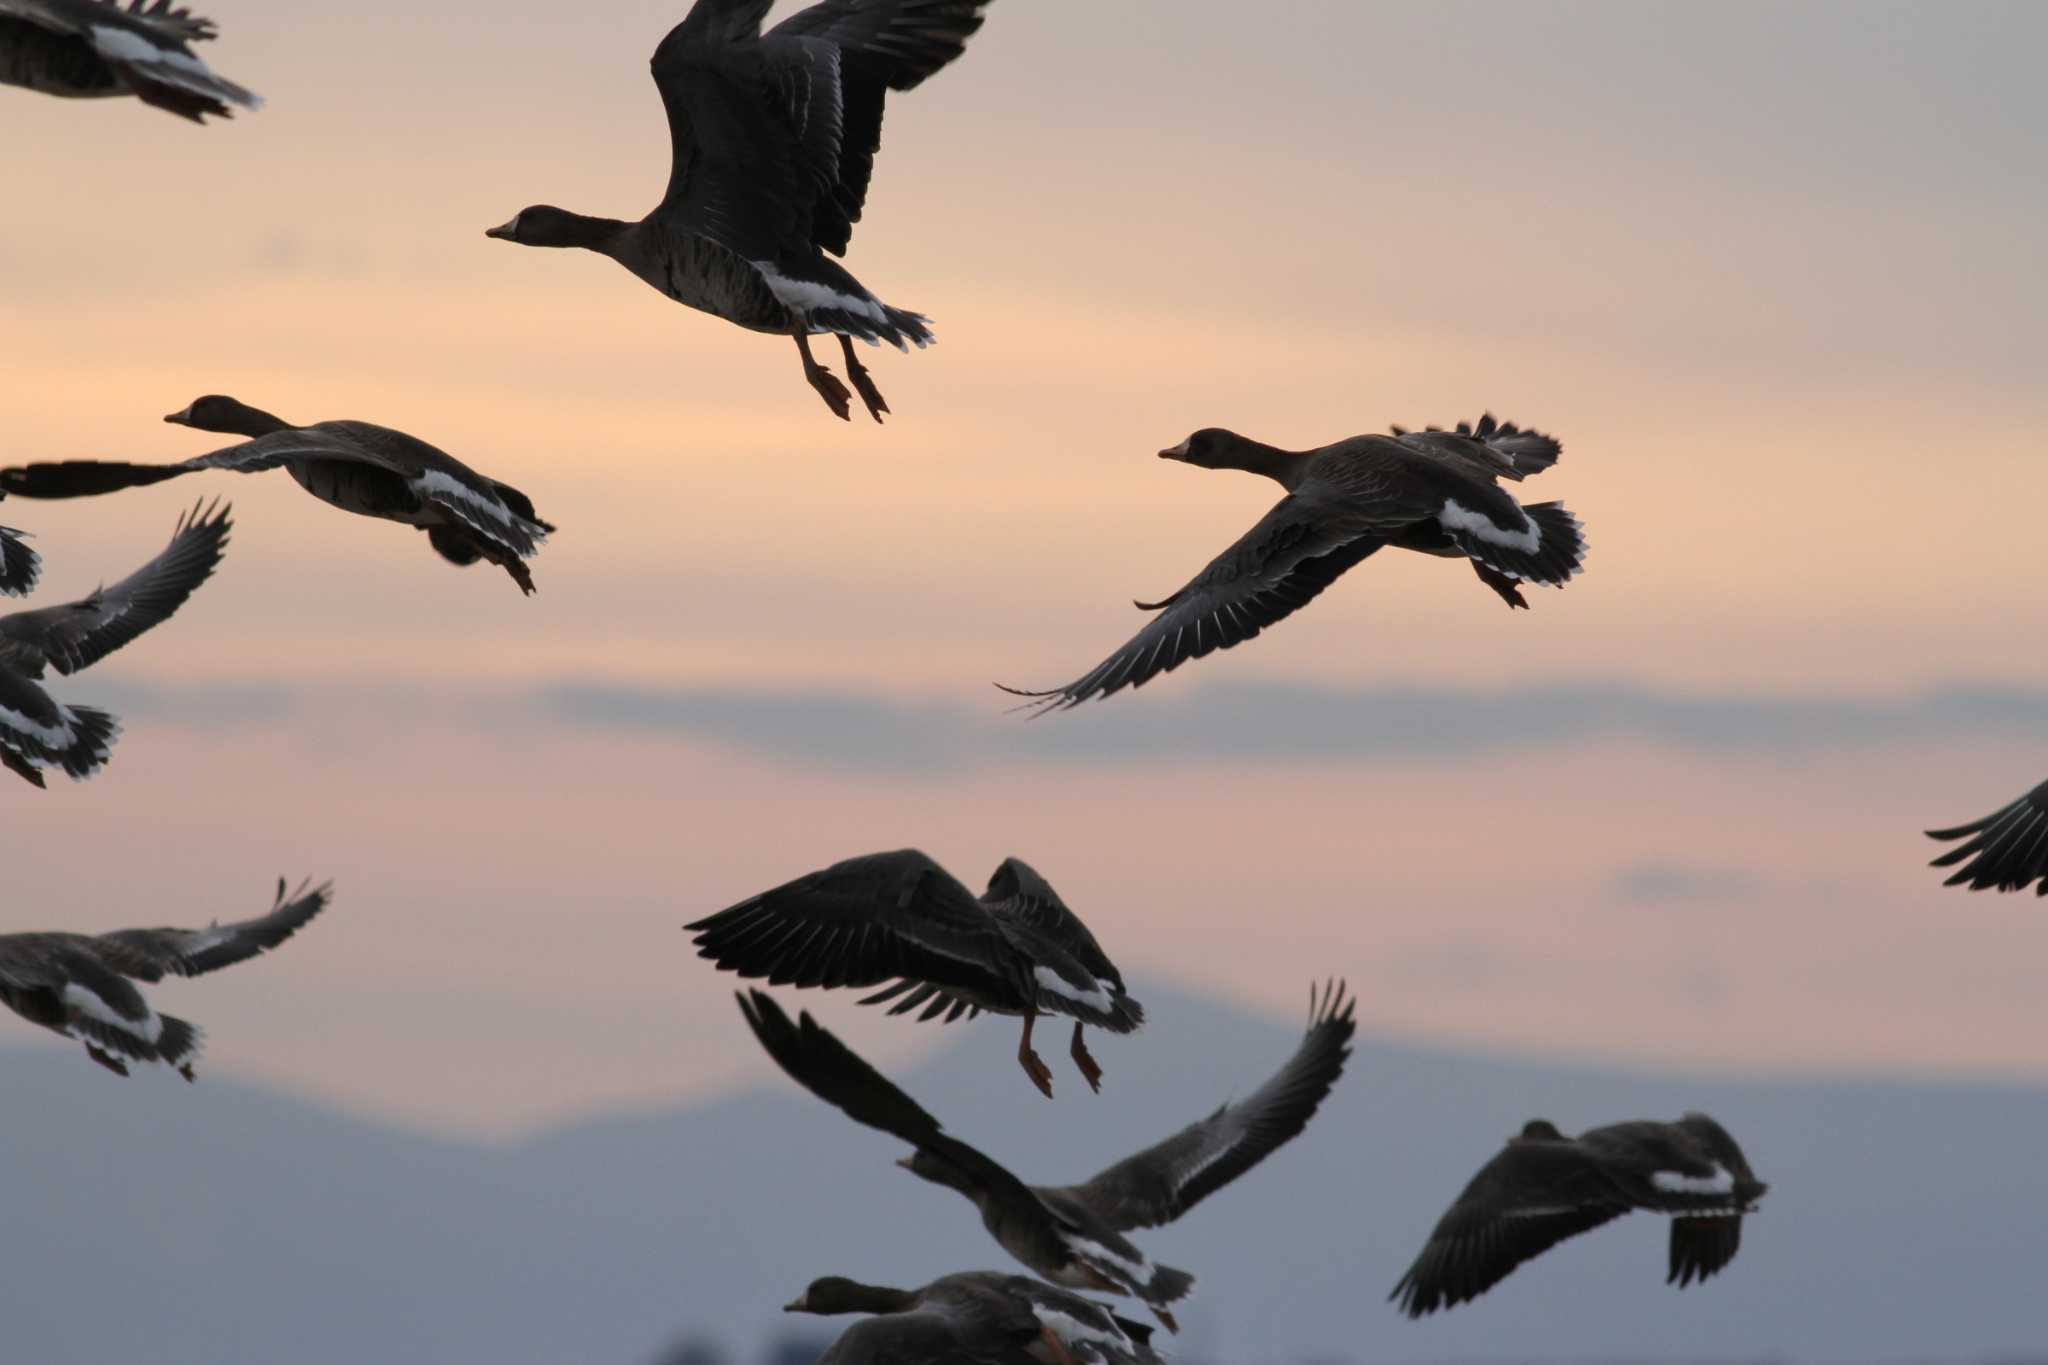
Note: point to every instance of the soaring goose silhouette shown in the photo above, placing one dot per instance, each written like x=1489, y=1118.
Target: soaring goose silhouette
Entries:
x=19, y=565
x=2007, y=849
x=1072, y=1235
x=1546, y=1187
x=79, y=984
x=37, y=730
x=87, y=49
x=359, y=467
x=1434, y=491
x=900, y=917
x=773, y=138
x=980, y=1317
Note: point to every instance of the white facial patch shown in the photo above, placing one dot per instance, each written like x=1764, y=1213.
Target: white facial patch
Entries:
x=1050, y=980
x=85, y=1002
x=1722, y=1181
x=1456, y=518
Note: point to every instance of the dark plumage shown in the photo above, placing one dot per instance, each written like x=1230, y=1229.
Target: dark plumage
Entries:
x=772, y=141
x=19, y=565
x=1072, y=1235
x=359, y=467
x=78, y=984
x=1545, y=1187
x=35, y=729
x=2006, y=850
x=900, y=917
x=1434, y=491
x=87, y=49
x=980, y=1317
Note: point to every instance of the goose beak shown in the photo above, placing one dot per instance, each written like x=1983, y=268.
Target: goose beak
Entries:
x=1179, y=452
x=183, y=416
x=503, y=231
x=796, y=1305
x=904, y=1162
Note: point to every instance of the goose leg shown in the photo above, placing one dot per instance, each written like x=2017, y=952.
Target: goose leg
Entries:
x=1060, y=1354
x=1034, y=1066
x=1509, y=589
x=862, y=385
x=1090, y=1072
x=185, y=1070
x=107, y=1060
x=1165, y=1318
x=829, y=388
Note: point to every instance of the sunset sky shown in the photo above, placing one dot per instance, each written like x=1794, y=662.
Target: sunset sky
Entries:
x=1774, y=275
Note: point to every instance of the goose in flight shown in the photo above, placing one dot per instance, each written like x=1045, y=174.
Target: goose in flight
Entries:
x=1545, y=1187
x=359, y=467
x=1073, y=1235
x=19, y=565
x=35, y=729
x=88, y=49
x=2006, y=850
x=1434, y=491
x=772, y=140
x=79, y=984
x=980, y=1317
x=900, y=917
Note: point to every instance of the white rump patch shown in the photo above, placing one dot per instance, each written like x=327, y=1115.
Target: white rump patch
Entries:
x=1139, y=1272
x=60, y=738
x=167, y=64
x=1456, y=518
x=87, y=1003
x=1097, y=999
x=1722, y=1181
x=1070, y=1329
x=806, y=295
x=440, y=484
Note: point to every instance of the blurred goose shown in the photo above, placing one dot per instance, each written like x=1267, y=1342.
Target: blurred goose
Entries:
x=35, y=729
x=980, y=1317
x=772, y=139
x=1072, y=1235
x=85, y=49
x=78, y=984
x=901, y=917
x=2007, y=849
x=359, y=467
x=1546, y=1187
x=1434, y=491
x=19, y=565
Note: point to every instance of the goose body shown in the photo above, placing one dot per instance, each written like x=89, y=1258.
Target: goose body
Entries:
x=359, y=467
x=1074, y=1235
x=2005, y=851
x=1437, y=492
x=772, y=143
x=1545, y=1187
x=980, y=1317
x=901, y=918
x=80, y=985
x=90, y=49
x=37, y=731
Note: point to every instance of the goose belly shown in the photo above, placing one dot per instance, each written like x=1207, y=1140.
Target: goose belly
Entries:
x=363, y=489
x=53, y=63
x=703, y=275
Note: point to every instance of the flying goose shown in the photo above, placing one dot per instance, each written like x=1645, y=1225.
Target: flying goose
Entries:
x=901, y=917
x=1072, y=1235
x=37, y=730
x=979, y=1317
x=86, y=49
x=772, y=139
x=359, y=467
x=2006, y=850
x=78, y=984
x=1435, y=491
x=19, y=565
x=1546, y=1187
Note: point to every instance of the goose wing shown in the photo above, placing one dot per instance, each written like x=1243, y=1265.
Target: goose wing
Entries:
x=863, y=922
x=81, y=633
x=19, y=565
x=36, y=729
x=1167, y=1179
x=1522, y=1203
x=1487, y=449
x=2004, y=851
x=1295, y=551
x=147, y=954
x=85, y=478
x=1073, y=975
x=147, y=48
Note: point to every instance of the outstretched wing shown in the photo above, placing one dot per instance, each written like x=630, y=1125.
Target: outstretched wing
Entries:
x=1522, y=1203
x=147, y=954
x=1276, y=568
x=862, y=922
x=19, y=565
x=85, y=478
x=81, y=633
x=2005, y=850
x=1165, y=1180
x=147, y=49
x=1486, y=448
